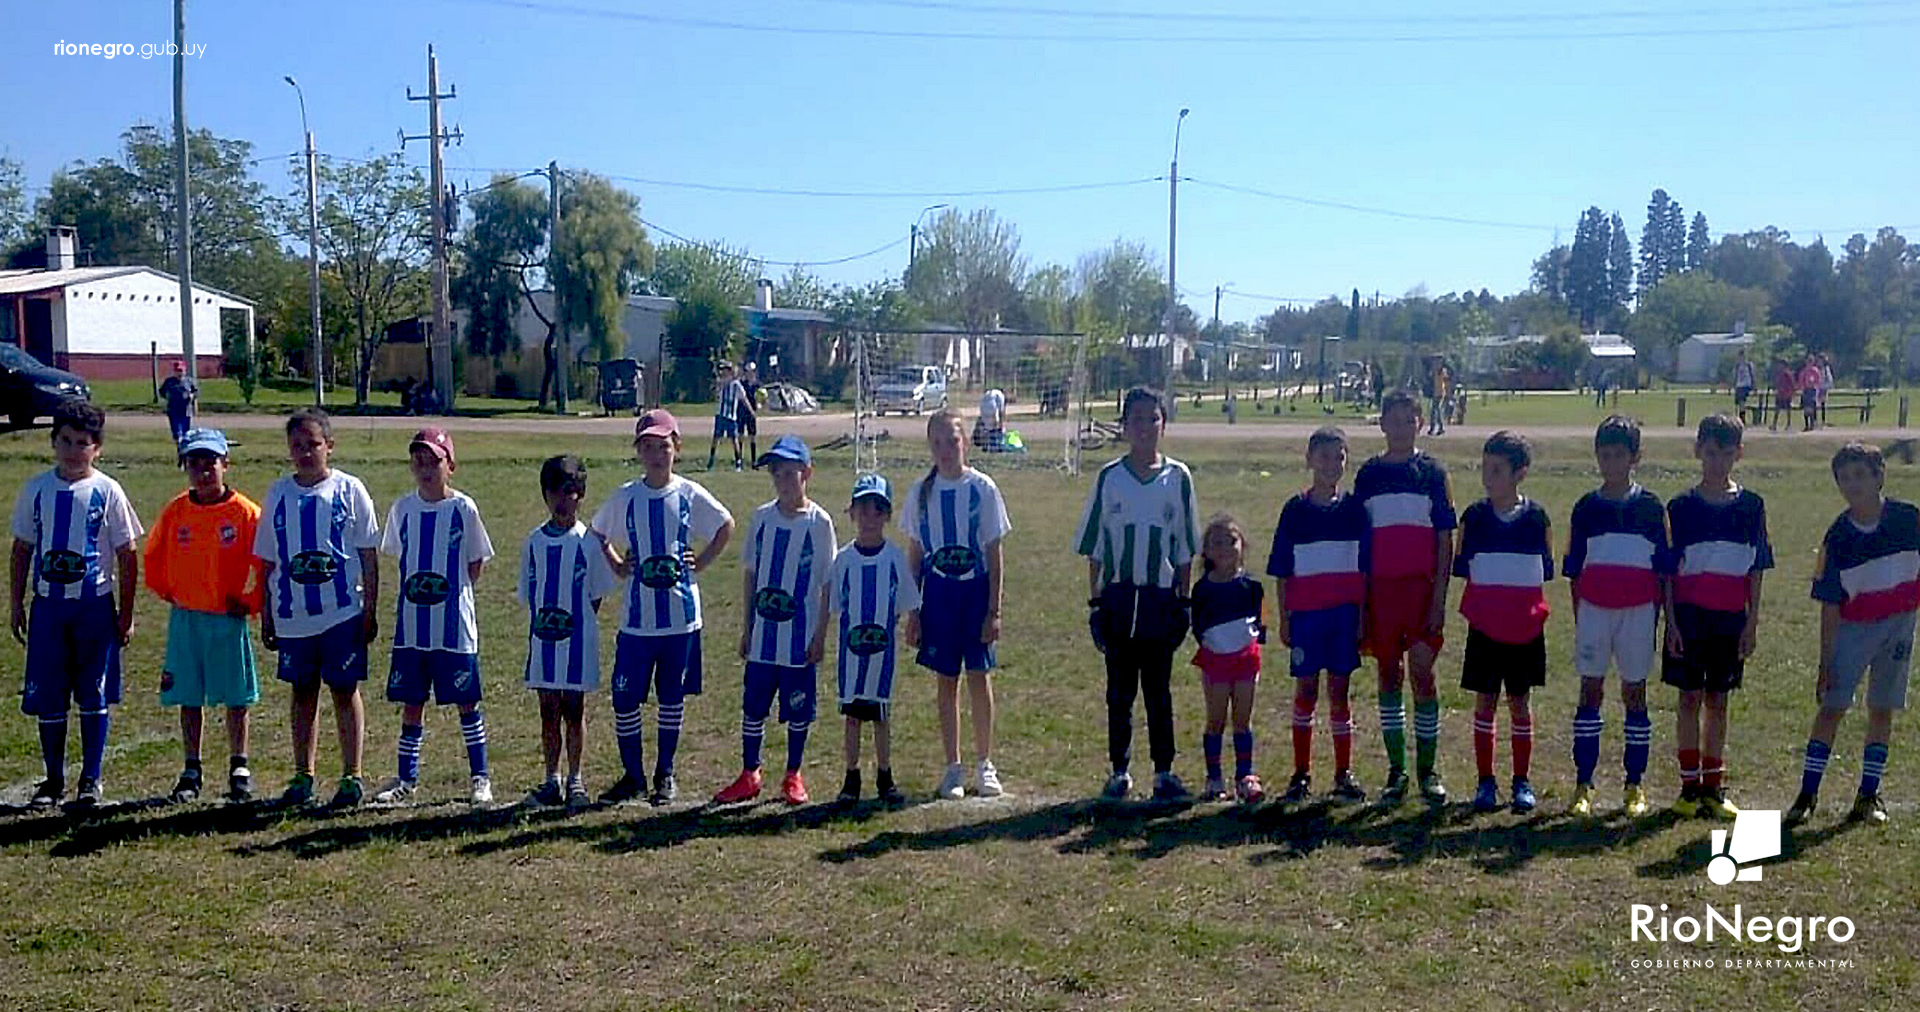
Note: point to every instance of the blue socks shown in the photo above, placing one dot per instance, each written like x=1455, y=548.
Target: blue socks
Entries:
x=410, y=736
x=796, y=743
x=53, y=747
x=1211, y=742
x=93, y=742
x=752, y=729
x=1639, y=744
x=1873, y=766
x=667, y=723
x=1243, y=753
x=626, y=732
x=473, y=728
x=1815, y=766
x=1587, y=727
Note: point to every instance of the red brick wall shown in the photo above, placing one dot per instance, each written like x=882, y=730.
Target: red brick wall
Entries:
x=125, y=367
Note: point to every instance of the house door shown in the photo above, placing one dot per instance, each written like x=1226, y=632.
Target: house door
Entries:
x=39, y=342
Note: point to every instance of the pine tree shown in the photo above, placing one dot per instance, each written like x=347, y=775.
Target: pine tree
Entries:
x=1654, y=263
x=1588, y=287
x=1619, y=268
x=1698, y=242
x=1674, y=239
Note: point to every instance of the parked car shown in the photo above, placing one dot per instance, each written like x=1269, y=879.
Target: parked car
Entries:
x=914, y=388
x=30, y=389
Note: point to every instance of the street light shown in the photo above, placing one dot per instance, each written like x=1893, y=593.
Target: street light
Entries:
x=1173, y=219
x=913, y=234
x=313, y=242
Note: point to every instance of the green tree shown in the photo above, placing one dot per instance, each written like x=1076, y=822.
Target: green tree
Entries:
x=16, y=225
x=1589, y=288
x=969, y=270
x=1047, y=302
x=1699, y=242
x=1352, y=329
x=1662, y=240
x=682, y=268
x=1123, y=290
x=1818, y=307
x=1689, y=303
x=800, y=288
x=1619, y=270
x=603, y=253
x=702, y=330
x=1754, y=260
x=504, y=242
x=1549, y=275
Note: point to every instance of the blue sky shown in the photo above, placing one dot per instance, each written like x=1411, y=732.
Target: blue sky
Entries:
x=1525, y=114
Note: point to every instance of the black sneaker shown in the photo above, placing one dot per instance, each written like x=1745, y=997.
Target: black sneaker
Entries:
x=623, y=790
x=1802, y=807
x=547, y=795
x=349, y=794
x=1868, y=808
x=87, y=797
x=186, y=790
x=1299, y=789
x=1347, y=790
x=240, y=785
x=1395, y=790
x=665, y=789
x=46, y=794
x=850, y=788
x=889, y=792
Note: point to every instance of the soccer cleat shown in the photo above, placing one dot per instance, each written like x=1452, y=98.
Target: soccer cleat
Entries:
x=186, y=790
x=1802, y=807
x=1299, y=789
x=299, y=791
x=46, y=794
x=1167, y=787
x=548, y=795
x=1868, y=808
x=1118, y=786
x=953, y=785
x=850, y=788
x=1395, y=789
x=745, y=787
x=87, y=797
x=737, y=467
x=890, y=794
x=394, y=791
x=793, y=789
x=1250, y=790
x=665, y=789
x=1432, y=789
x=240, y=785
x=349, y=794
x=1216, y=789
x=1523, y=799
x=986, y=780
x=577, y=796
x=1486, y=797
x=1582, y=806
x=1346, y=789
x=1714, y=805
x=623, y=790
x=1635, y=804
x=481, y=790
x=1688, y=804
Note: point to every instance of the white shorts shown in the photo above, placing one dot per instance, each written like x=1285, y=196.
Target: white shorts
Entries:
x=1620, y=637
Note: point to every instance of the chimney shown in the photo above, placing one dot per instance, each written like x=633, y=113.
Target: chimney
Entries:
x=1739, y=328
x=60, y=245
x=763, y=295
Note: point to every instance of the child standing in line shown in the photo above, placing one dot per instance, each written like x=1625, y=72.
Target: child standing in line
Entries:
x=74, y=535
x=319, y=542
x=442, y=546
x=870, y=585
x=563, y=576
x=655, y=521
x=1720, y=553
x=1139, y=532
x=1319, y=569
x=202, y=564
x=1615, y=565
x=1410, y=510
x=790, y=549
x=1229, y=620
x=955, y=520
x=1868, y=586
x=1506, y=557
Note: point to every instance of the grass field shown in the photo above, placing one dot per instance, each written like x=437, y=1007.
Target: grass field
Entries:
x=1045, y=900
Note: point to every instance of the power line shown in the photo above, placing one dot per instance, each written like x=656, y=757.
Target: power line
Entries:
x=888, y=194
x=1189, y=17
x=1365, y=209
x=750, y=258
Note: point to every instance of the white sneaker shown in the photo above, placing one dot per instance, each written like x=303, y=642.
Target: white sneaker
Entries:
x=987, y=780
x=482, y=791
x=953, y=786
x=394, y=791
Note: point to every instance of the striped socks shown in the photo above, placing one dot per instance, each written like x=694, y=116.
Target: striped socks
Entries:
x=1522, y=730
x=1873, y=766
x=1587, y=728
x=1689, y=767
x=667, y=723
x=1815, y=767
x=626, y=733
x=409, y=761
x=752, y=730
x=1712, y=771
x=1426, y=734
x=53, y=747
x=1483, y=743
x=473, y=728
x=93, y=742
x=1393, y=729
x=1639, y=745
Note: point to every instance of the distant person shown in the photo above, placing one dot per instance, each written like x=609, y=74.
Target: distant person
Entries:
x=1600, y=386
x=750, y=408
x=726, y=417
x=1442, y=389
x=1742, y=383
x=1783, y=387
x=1809, y=383
x=1826, y=385
x=182, y=395
x=993, y=408
x=1378, y=378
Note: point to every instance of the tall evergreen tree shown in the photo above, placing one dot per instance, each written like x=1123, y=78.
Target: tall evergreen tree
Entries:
x=1654, y=262
x=1698, y=242
x=1619, y=268
x=1589, y=290
x=1674, y=239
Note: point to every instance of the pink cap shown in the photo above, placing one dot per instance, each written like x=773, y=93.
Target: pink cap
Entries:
x=436, y=439
x=656, y=422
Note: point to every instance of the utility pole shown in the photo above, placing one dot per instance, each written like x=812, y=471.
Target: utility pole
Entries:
x=313, y=244
x=562, y=346
x=183, y=225
x=1173, y=221
x=1216, y=307
x=440, y=341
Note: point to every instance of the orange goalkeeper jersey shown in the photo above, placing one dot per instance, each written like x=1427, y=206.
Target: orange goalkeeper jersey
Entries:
x=201, y=557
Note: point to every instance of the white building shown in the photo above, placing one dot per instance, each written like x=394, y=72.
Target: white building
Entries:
x=1698, y=358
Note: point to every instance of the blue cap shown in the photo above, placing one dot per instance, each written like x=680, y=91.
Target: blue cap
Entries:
x=786, y=448
x=204, y=441
x=873, y=486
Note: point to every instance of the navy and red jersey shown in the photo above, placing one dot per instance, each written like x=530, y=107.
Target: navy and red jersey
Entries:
x=1617, y=549
x=1716, y=547
x=1322, y=552
x=1406, y=503
x=1506, y=562
x=1226, y=613
x=1872, y=574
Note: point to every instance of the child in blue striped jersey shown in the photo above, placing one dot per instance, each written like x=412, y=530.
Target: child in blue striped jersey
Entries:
x=870, y=586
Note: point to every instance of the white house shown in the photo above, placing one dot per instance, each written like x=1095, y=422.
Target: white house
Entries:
x=109, y=322
x=1697, y=360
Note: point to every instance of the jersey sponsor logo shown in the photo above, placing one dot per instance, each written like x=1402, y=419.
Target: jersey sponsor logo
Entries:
x=425, y=588
x=183, y=535
x=95, y=514
x=229, y=534
x=868, y=638
x=774, y=604
x=553, y=624
x=955, y=560
x=660, y=571
x=310, y=568
x=62, y=567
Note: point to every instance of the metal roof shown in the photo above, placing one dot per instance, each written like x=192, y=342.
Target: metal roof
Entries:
x=20, y=282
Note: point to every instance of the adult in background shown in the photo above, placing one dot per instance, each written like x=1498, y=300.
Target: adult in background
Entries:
x=1742, y=383
x=1442, y=390
x=1826, y=385
x=182, y=395
x=989, y=430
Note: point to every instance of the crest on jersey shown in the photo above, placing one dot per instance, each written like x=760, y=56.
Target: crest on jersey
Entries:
x=955, y=560
x=1166, y=514
x=309, y=568
x=552, y=625
x=774, y=604
x=425, y=589
x=868, y=638
x=182, y=535
x=62, y=567
x=659, y=571
x=229, y=534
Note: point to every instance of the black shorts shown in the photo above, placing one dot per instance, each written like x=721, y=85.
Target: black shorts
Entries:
x=1493, y=667
x=869, y=710
x=1710, y=650
x=749, y=420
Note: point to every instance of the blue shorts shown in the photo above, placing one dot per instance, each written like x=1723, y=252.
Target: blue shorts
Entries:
x=1325, y=640
x=337, y=657
x=796, y=689
x=670, y=663
x=73, y=656
x=209, y=661
x=452, y=677
x=725, y=428
x=951, y=615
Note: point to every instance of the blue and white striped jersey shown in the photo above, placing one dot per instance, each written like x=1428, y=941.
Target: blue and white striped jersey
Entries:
x=313, y=537
x=870, y=590
x=964, y=515
x=562, y=575
x=789, y=558
x=434, y=542
x=75, y=527
x=731, y=394
x=652, y=528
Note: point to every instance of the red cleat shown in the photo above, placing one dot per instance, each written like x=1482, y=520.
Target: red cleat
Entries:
x=793, y=790
x=745, y=787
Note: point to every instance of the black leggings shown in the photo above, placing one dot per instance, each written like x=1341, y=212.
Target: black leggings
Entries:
x=1143, y=627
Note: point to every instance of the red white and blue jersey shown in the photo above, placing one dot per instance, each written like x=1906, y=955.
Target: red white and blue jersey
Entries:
x=963, y=516
x=870, y=590
x=313, y=538
x=563, y=574
x=1407, y=503
x=75, y=529
x=1617, y=549
x=1506, y=561
x=654, y=528
x=1872, y=573
x=434, y=543
x=1226, y=613
x=1322, y=552
x=1716, y=548
x=789, y=557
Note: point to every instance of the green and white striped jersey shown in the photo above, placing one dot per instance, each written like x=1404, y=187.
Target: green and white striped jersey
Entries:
x=1138, y=528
